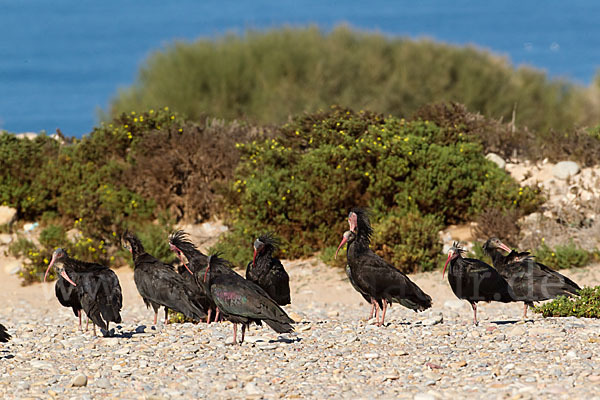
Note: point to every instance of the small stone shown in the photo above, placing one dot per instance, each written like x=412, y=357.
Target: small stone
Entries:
x=371, y=356
x=424, y=396
x=565, y=169
x=79, y=380
x=333, y=313
x=123, y=351
x=251, y=389
x=516, y=331
x=103, y=383
x=458, y=364
x=496, y=159
x=7, y=215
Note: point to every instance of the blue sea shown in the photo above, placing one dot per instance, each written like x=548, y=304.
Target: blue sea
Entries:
x=62, y=61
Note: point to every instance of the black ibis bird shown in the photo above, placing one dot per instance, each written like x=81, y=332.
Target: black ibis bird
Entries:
x=97, y=287
x=181, y=245
x=475, y=281
x=159, y=284
x=531, y=281
x=4, y=336
x=375, y=278
x=350, y=236
x=267, y=271
x=242, y=301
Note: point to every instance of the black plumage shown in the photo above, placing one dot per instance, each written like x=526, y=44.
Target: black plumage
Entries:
x=160, y=285
x=372, y=276
x=97, y=288
x=475, y=281
x=4, y=336
x=365, y=295
x=68, y=297
x=181, y=245
x=531, y=281
x=241, y=301
x=267, y=271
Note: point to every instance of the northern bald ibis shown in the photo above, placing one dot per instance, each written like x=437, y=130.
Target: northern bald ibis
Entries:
x=374, y=277
x=349, y=235
x=159, y=284
x=241, y=301
x=193, y=270
x=531, y=281
x=4, y=336
x=474, y=281
x=97, y=287
x=267, y=271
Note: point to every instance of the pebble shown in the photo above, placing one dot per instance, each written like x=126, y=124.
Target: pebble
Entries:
x=79, y=380
x=342, y=357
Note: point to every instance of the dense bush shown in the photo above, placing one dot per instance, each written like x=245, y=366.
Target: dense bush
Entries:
x=268, y=76
x=587, y=305
x=565, y=256
x=124, y=174
x=414, y=176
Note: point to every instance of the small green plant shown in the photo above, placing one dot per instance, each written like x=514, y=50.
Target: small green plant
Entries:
x=587, y=305
x=563, y=256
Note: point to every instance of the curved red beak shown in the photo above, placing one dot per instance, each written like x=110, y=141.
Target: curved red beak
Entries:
x=504, y=247
x=343, y=242
x=179, y=253
x=64, y=275
x=447, y=261
x=50, y=266
x=254, y=258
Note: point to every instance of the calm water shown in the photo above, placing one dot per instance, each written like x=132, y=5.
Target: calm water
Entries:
x=61, y=61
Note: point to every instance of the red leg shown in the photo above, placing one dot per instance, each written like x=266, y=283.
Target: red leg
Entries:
x=243, y=332
x=87, y=323
x=208, y=317
x=217, y=315
x=384, y=310
x=525, y=310
x=234, y=333
x=79, y=312
x=372, y=309
x=377, y=312
x=474, y=305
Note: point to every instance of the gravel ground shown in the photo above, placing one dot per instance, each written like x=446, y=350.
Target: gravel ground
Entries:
x=334, y=352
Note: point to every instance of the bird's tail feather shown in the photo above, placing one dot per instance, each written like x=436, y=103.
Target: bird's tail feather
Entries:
x=4, y=336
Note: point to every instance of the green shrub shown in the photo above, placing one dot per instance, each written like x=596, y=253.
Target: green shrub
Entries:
x=564, y=256
x=267, y=76
x=303, y=184
x=587, y=305
x=409, y=240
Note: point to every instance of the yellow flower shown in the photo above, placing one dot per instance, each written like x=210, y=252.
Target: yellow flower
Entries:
x=172, y=117
x=283, y=198
x=166, y=108
x=366, y=174
x=135, y=120
x=151, y=111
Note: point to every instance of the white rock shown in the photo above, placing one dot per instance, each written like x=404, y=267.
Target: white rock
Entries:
x=565, y=169
x=495, y=158
x=79, y=380
x=7, y=215
x=30, y=226
x=5, y=238
x=252, y=389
